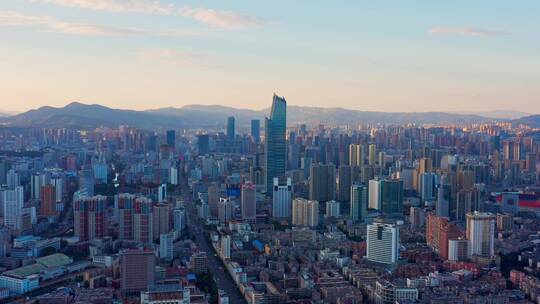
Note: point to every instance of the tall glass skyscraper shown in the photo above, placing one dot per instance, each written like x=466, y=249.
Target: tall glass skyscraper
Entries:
x=255, y=130
x=275, y=142
x=230, y=128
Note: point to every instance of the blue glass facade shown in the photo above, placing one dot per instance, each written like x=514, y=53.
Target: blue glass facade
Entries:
x=275, y=142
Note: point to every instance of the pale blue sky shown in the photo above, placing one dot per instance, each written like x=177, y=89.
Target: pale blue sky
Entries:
x=367, y=55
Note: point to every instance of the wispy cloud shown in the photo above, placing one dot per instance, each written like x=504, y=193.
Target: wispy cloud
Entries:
x=466, y=31
x=50, y=24
x=222, y=19
x=133, y=6
x=176, y=58
x=215, y=18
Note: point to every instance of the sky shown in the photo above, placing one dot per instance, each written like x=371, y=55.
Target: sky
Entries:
x=366, y=55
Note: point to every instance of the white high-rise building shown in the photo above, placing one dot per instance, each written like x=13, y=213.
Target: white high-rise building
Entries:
x=58, y=183
x=374, y=194
x=226, y=246
x=37, y=180
x=282, y=197
x=225, y=210
x=383, y=242
x=12, y=201
x=162, y=193
x=13, y=179
x=173, y=176
x=481, y=233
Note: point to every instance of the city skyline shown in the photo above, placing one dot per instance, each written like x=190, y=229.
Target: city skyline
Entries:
x=376, y=57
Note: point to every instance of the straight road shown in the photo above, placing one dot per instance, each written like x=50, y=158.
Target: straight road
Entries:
x=195, y=228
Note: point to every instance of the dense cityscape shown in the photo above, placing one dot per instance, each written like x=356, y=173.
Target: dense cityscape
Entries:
x=271, y=212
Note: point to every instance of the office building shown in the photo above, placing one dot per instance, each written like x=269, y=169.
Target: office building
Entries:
x=417, y=217
x=282, y=199
x=173, y=175
x=171, y=138
x=481, y=233
x=444, y=198
x=13, y=179
x=458, y=249
x=248, y=206
x=160, y=220
x=231, y=129
x=275, y=142
x=225, y=210
x=322, y=182
x=226, y=246
x=374, y=194
x=359, y=202
x=213, y=199
x=386, y=195
x=137, y=271
x=344, y=183
x=256, y=130
x=162, y=193
x=427, y=186
x=179, y=220
x=383, y=242
x=166, y=246
x=199, y=263
x=203, y=144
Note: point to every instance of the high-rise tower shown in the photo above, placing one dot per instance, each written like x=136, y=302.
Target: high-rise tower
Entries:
x=275, y=142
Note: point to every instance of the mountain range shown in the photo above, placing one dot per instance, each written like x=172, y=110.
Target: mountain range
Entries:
x=497, y=114
x=88, y=116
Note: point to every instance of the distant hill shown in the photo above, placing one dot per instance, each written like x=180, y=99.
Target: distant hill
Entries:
x=89, y=116
x=497, y=114
x=532, y=121
x=79, y=115
x=315, y=115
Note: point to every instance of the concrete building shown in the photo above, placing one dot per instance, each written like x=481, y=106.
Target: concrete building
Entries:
x=282, y=199
x=137, y=271
x=248, y=206
x=481, y=233
x=305, y=212
x=322, y=182
x=383, y=242
x=359, y=202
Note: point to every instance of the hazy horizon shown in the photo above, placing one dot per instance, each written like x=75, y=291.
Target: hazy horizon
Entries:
x=465, y=112
x=142, y=54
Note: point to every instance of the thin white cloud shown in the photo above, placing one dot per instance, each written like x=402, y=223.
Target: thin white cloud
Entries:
x=132, y=6
x=176, y=58
x=215, y=18
x=465, y=31
x=222, y=19
x=50, y=24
